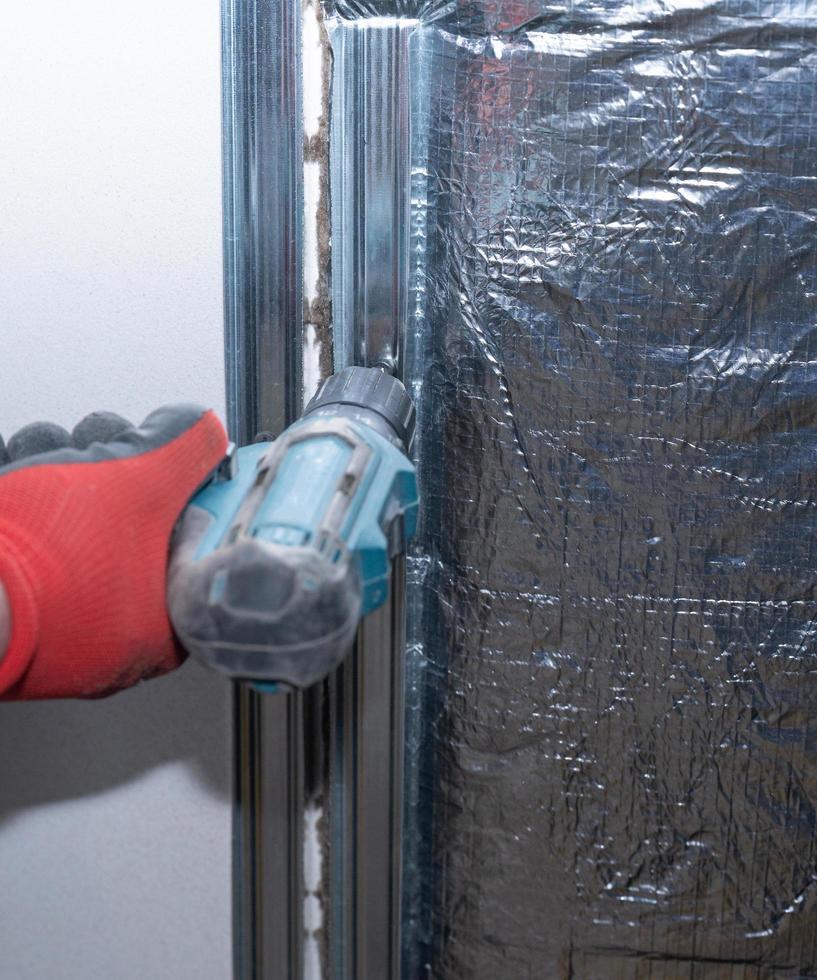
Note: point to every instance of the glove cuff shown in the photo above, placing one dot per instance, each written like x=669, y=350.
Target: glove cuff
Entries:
x=23, y=612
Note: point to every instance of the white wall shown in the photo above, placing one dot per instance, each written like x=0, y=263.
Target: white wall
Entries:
x=114, y=815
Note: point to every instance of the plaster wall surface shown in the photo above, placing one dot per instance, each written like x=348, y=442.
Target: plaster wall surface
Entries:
x=115, y=819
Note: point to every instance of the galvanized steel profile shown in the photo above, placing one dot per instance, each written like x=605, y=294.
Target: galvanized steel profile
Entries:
x=263, y=178
x=319, y=775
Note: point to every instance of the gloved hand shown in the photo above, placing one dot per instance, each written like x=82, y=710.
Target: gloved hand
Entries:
x=85, y=528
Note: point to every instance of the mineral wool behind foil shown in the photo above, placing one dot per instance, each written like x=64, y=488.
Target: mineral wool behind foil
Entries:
x=613, y=651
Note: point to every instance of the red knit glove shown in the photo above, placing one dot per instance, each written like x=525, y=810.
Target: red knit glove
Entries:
x=84, y=538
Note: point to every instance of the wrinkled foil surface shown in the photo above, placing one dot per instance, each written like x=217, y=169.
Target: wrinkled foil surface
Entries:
x=612, y=643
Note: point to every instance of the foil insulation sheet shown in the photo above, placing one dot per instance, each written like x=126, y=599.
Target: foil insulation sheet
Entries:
x=612, y=336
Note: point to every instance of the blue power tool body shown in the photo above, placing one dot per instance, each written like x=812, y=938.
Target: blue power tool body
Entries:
x=276, y=561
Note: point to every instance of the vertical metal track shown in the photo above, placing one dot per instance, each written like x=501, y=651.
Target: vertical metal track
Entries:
x=263, y=174
x=341, y=743
x=370, y=175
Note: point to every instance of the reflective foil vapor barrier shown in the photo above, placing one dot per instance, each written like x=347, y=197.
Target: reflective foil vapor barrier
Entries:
x=611, y=304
